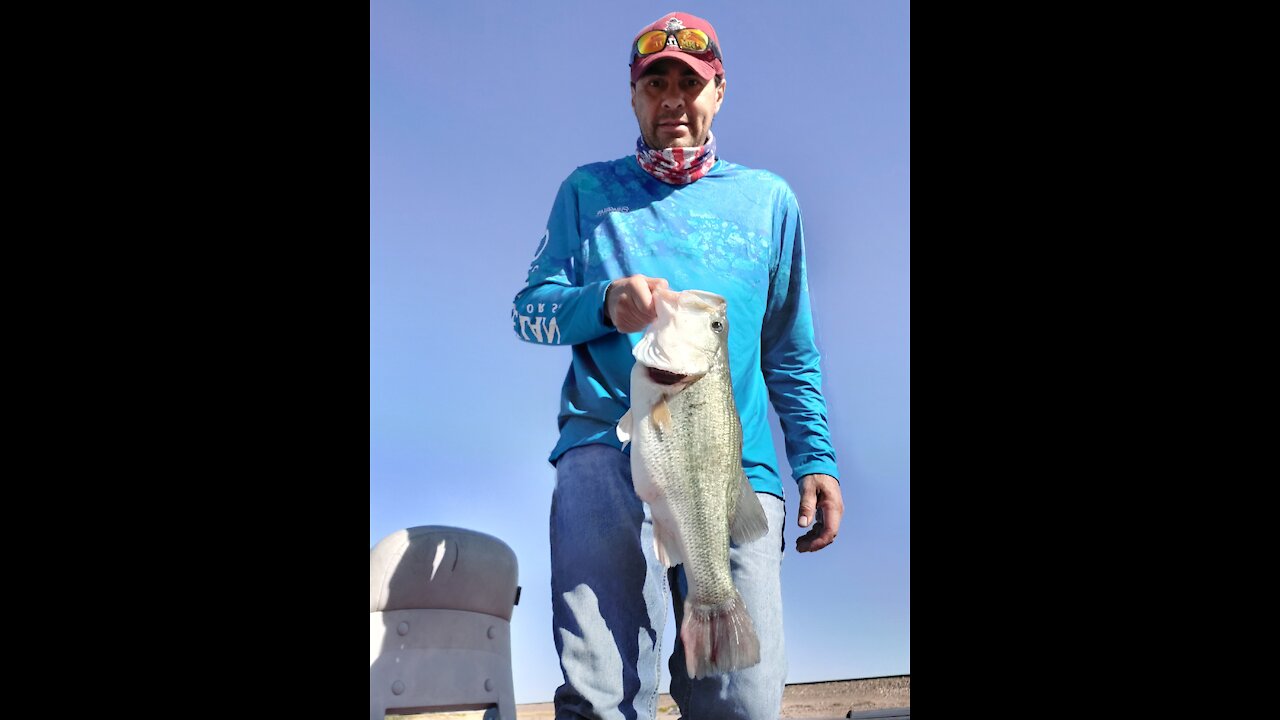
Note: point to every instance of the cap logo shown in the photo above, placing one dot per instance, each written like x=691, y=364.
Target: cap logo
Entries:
x=674, y=24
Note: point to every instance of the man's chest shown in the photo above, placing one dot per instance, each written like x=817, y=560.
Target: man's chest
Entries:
x=728, y=242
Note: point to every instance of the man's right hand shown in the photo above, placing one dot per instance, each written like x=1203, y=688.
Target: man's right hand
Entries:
x=629, y=302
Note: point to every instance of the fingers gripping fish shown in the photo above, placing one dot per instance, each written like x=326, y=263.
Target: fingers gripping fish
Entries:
x=686, y=463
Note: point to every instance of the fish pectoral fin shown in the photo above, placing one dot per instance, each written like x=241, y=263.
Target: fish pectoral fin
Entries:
x=749, y=522
x=661, y=414
x=624, y=428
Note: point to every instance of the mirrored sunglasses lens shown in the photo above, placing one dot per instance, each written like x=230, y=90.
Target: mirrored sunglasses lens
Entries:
x=694, y=40
x=651, y=42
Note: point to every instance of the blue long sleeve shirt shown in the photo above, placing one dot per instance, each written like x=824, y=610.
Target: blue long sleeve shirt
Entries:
x=735, y=232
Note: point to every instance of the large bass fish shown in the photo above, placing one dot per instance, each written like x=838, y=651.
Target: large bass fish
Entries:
x=686, y=463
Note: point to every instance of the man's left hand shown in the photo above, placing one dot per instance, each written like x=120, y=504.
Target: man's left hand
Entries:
x=819, y=494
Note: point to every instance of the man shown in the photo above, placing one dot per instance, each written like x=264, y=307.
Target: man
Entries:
x=671, y=215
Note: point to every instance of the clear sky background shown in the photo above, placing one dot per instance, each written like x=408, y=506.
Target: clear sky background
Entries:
x=477, y=111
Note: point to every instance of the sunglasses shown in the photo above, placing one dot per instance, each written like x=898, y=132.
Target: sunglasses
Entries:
x=689, y=40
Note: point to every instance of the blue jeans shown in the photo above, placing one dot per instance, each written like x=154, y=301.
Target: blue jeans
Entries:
x=609, y=600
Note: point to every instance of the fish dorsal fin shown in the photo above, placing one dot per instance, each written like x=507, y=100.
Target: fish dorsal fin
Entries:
x=749, y=522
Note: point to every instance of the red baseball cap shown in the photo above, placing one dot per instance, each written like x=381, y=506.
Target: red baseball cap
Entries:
x=678, y=45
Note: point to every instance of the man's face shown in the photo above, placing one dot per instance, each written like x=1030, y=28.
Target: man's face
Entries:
x=674, y=106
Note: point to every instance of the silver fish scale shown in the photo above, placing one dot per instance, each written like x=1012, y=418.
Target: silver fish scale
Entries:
x=698, y=464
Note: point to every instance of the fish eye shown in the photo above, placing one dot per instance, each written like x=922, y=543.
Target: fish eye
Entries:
x=717, y=326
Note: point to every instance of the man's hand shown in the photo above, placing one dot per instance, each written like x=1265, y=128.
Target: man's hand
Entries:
x=820, y=494
x=629, y=302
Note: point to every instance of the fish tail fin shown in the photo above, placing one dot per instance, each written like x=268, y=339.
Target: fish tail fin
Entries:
x=718, y=638
x=749, y=522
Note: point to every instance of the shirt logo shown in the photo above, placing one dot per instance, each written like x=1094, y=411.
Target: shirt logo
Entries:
x=624, y=208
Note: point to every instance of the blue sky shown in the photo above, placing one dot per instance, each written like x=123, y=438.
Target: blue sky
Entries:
x=477, y=112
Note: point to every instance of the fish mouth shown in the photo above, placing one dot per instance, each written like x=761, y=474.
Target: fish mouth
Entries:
x=662, y=377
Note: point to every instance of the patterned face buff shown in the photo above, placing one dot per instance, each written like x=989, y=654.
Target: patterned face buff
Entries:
x=677, y=166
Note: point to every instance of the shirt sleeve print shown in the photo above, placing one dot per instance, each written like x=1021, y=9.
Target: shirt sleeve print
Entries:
x=555, y=307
